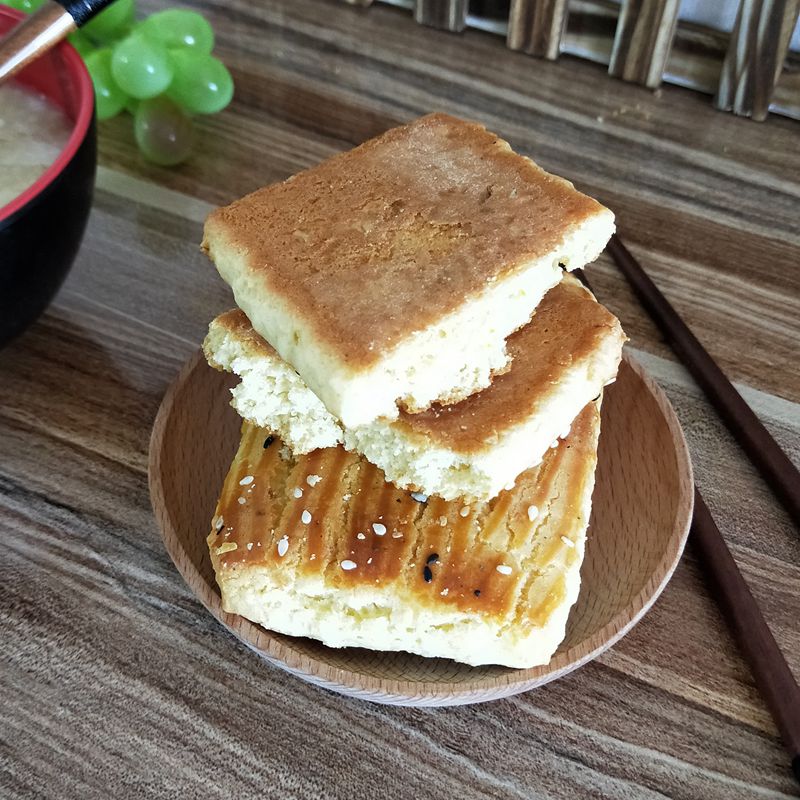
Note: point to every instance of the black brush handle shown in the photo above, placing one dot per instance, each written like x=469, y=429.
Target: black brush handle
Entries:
x=83, y=10
x=44, y=29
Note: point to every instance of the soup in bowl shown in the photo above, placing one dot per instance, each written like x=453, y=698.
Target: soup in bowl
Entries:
x=47, y=166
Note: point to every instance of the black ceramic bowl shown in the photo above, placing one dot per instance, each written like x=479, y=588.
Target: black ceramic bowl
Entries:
x=41, y=229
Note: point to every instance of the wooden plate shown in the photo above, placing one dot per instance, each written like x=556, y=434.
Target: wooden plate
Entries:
x=640, y=520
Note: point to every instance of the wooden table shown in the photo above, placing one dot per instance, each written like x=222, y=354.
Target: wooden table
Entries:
x=115, y=683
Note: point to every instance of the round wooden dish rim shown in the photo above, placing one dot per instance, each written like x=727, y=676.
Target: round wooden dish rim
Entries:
x=274, y=647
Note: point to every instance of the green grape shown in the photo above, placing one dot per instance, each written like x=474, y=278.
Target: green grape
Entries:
x=110, y=99
x=141, y=67
x=163, y=131
x=112, y=22
x=201, y=84
x=24, y=5
x=82, y=44
x=179, y=29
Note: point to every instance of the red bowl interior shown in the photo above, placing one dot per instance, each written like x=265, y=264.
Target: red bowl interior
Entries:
x=61, y=76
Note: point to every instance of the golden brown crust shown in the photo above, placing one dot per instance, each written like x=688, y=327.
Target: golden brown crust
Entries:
x=382, y=241
x=236, y=323
x=431, y=552
x=569, y=326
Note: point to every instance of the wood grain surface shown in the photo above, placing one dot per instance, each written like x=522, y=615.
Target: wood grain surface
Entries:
x=114, y=681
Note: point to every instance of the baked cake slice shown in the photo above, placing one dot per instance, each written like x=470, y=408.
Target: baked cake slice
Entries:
x=561, y=361
x=322, y=546
x=392, y=275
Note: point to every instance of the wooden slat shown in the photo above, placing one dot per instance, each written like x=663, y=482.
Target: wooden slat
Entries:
x=753, y=63
x=536, y=26
x=447, y=15
x=645, y=31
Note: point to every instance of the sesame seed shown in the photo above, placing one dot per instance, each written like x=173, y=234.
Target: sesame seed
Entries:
x=347, y=564
x=397, y=535
x=298, y=492
x=226, y=547
x=283, y=546
x=219, y=523
x=419, y=497
x=258, y=544
x=313, y=480
x=360, y=536
x=346, y=497
x=369, y=560
x=533, y=512
x=305, y=517
x=443, y=521
x=249, y=545
x=464, y=511
x=246, y=481
x=313, y=556
x=567, y=542
x=379, y=529
x=504, y=569
x=427, y=574
x=242, y=501
x=444, y=592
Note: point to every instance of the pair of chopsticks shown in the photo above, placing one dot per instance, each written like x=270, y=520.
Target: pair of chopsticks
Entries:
x=739, y=608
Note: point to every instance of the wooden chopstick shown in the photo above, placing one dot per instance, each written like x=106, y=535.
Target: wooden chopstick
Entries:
x=778, y=471
x=747, y=624
x=739, y=608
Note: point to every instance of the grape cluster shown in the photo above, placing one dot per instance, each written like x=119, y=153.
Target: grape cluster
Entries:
x=160, y=70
